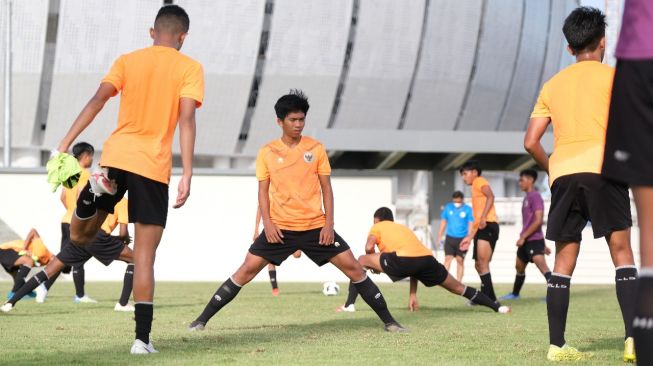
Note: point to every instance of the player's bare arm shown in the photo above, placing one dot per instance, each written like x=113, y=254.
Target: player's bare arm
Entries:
x=327, y=234
x=272, y=233
x=187, y=128
x=536, y=128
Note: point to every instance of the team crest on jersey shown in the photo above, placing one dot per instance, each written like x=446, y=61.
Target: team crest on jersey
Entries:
x=462, y=215
x=308, y=157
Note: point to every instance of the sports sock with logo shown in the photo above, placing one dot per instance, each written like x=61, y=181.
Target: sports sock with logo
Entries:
x=486, y=286
x=626, y=286
x=643, y=322
x=273, y=278
x=143, y=314
x=85, y=204
x=225, y=293
x=127, y=285
x=480, y=298
x=28, y=287
x=557, y=305
x=373, y=297
x=352, y=295
x=79, y=276
x=21, y=274
x=519, y=282
x=547, y=276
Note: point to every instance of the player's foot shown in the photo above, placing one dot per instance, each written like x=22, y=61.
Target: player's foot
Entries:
x=140, y=348
x=395, y=328
x=629, y=350
x=41, y=293
x=100, y=184
x=126, y=308
x=275, y=292
x=346, y=309
x=504, y=309
x=6, y=307
x=84, y=300
x=566, y=353
x=196, y=326
x=510, y=296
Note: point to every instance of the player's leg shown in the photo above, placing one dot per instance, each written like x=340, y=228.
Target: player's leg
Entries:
x=540, y=263
x=456, y=287
x=625, y=276
x=24, y=264
x=460, y=267
x=352, y=295
x=79, y=279
x=483, y=254
x=520, y=277
x=557, y=296
x=272, y=272
x=643, y=323
x=127, y=256
x=447, y=261
x=55, y=266
x=368, y=261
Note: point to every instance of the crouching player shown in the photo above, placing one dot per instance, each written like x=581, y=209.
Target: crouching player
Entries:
x=18, y=257
x=403, y=255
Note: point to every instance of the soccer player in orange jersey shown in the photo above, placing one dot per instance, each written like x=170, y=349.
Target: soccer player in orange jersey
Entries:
x=294, y=184
x=18, y=257
x=159, y=88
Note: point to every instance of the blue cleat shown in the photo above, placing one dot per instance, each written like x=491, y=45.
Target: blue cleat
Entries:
x=510, y=296
x=10, y=294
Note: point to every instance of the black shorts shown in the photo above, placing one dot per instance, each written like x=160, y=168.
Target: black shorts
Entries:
x=65, y=241
x=628, y=148
x=582, y=197
x=425, y=269
x=306, y=241
x=148, y=199
x=104, y=247
x=452, y=247
x=531, y=248
x=489, y=233
x=7, y=259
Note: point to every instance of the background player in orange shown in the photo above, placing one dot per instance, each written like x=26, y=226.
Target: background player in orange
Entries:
x=294, y=185
x=403, y=255
x=18, y=257
x=485, y=231
x=159, y=88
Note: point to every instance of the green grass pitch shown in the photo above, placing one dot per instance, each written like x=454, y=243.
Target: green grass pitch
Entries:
x=300, y=327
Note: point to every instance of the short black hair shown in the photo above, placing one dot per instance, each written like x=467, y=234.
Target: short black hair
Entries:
x=471, y=165
x=173, y=19
x=294, y=101
x=384, y=214
x=529, y=173
x=81, y=148
x=584, y=28
x=458, y=194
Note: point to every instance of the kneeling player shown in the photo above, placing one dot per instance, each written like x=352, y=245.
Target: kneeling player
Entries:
x=294, y=183
x=105, y=248
x=19, y=256
x=403, y=255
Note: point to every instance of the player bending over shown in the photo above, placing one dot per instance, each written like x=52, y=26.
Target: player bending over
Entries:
x=18, y=257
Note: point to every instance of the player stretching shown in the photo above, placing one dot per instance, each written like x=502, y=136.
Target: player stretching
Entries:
x=294, y=184
x=159, y=87
x=530, y=245
x=403, y=255
x=18, y=257
x=576, y=102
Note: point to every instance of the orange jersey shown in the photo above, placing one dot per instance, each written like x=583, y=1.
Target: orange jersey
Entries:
x=151, y=82
x=577, y=99
x=392, y=237
x=36, y=247
x=295, y=191
x=71, y=194
x=119, y=216
x=479, y=200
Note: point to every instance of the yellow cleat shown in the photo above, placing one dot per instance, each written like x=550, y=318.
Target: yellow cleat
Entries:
x=566, y=353
x=629, y=350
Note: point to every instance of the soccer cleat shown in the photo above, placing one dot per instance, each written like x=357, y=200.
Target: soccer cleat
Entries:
x=566, y=353
x=84, y=300
x=196, y=326
x=629, y=350
x=275, y=292
x=6, y=307
x=510, y=296
x=346, y=309
x=504, y=309
x=140, y=348
x=41, y=293
x=100, y=184
x=395, y=328
x=127, y=308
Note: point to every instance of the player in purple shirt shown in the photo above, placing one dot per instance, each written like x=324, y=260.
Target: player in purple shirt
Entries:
x=530, y=246
x=628, y=157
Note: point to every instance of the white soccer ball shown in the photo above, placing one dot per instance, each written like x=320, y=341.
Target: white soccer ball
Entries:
x=330, y=288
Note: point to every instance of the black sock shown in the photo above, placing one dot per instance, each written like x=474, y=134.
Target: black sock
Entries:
x=86, y=203
x=352, y=295
x=273, y=279
x=28, y=287
x=51, y=280
x=643, y=323
x=225, y=293
x=547, y=276
x=127, y=285
x=557, y=304
x=519, y=282
x=78, y=279
x=486, y=286
x=626, y=285
x=373, y=297
x=143, y=314
x=480, y=298
x=21, y=274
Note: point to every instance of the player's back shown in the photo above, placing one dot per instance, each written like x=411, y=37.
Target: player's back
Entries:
x=394, y=237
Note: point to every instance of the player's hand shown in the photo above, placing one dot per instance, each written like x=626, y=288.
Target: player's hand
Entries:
x=327, y=235
x=272, y=233
x=464, y=244
x=547, y=250
x=521, y=241
x=183, y=191
x=482, y=224
x=413, y=305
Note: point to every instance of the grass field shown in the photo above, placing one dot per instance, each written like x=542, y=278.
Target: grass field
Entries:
x=301, y=327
